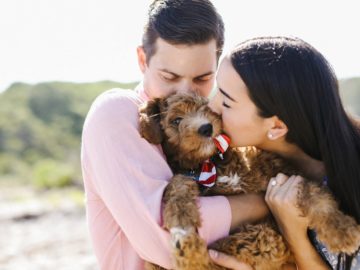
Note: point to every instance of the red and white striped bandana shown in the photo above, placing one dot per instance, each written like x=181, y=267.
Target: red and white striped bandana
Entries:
x=222, y=142
x=208, y=170
x=208, y=174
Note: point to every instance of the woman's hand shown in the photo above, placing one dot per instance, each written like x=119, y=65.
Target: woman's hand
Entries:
x=281, y=197
x=228, y=261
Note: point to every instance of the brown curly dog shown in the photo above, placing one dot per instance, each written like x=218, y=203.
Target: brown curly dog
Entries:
x=186, y=128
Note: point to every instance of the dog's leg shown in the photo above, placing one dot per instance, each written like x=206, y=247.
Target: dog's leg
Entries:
x=191, y=253
x=182, y=218
x=339, y=232
x=180, y=203
x=259, y=245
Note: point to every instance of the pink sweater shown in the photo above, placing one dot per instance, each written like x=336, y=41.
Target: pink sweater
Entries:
x=124, y=179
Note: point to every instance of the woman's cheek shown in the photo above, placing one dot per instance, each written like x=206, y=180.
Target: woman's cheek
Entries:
x=229, y=128
x=224, y=122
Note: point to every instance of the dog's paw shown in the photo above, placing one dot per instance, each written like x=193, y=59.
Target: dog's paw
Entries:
x=348, y=242
x=338, y=232
x=189, y=250
x=179, y=239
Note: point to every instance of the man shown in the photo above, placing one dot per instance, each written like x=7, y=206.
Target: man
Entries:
x=124, y=175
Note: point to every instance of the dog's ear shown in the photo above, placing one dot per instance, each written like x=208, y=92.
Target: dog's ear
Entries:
x=149, y=121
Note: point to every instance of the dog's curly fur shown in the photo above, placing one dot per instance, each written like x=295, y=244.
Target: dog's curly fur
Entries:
x=174, y=123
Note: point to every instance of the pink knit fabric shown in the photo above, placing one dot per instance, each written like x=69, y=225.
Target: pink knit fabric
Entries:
x=124, y=179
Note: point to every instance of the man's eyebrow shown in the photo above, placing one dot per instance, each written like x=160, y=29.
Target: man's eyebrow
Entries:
x=226, y=95
x=205, y=74
x=168, y=71
x=177, y=75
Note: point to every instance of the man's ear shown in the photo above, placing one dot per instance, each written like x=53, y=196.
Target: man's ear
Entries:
x=141, y=58
x=149, y=122
x=278, y=129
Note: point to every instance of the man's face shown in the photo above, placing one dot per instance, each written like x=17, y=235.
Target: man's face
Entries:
x=179, y=68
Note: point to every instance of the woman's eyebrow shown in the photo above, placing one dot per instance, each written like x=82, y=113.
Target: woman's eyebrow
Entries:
x=226, y=95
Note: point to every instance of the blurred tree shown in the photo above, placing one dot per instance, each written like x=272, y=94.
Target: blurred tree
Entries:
x=47, y=102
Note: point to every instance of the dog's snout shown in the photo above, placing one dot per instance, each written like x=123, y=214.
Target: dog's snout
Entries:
x=206, y=130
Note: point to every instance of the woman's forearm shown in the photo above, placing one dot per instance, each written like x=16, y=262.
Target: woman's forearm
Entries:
x=306, y=256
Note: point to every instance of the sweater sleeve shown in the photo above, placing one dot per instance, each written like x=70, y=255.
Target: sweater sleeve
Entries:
x=130, y=175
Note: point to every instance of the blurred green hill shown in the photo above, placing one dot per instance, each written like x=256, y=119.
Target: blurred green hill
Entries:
x=41, y=124
x=40, y=130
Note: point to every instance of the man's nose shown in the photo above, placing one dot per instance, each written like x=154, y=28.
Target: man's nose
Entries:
x=215, y=103
x=186, y=87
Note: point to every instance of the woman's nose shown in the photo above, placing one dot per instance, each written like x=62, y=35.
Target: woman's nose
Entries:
x=215, y=103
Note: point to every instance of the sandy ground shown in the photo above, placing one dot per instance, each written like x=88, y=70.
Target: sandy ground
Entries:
x=43, y=230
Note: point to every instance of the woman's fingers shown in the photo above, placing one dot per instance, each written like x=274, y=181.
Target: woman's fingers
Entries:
x=292, y=187
x=282, y=199
x=284, y=191
x=274, y=183
x=228, y=261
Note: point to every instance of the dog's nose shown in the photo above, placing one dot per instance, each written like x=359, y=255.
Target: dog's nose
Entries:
x=205, y=130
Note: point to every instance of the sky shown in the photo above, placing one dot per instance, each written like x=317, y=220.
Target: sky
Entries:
x=92, y=40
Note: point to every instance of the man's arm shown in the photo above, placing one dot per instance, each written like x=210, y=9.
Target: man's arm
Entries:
x=130, y=175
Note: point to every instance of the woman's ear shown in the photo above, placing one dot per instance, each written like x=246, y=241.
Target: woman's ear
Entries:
x=141, y=55
x=278, y=129
x=149, y=121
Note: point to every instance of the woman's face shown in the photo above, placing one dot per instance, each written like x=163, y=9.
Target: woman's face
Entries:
x=239, y=114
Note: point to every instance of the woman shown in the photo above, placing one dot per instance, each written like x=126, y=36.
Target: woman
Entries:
x=281, y=95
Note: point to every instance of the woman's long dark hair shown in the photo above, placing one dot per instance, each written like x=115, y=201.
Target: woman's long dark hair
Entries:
x=289, y=78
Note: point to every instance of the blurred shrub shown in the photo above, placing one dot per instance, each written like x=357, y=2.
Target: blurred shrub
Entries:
x=49, y=173
x=40, y=128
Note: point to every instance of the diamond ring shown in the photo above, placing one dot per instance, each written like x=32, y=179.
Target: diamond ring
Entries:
x=273, y=182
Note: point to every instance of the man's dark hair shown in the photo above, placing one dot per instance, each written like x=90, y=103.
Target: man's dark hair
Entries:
x=186, y=22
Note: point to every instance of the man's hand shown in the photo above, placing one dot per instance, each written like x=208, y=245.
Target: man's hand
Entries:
x=231, y=263
x=228, y=261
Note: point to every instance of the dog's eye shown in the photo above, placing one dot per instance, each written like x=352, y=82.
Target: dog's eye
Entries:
x=176, y=121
